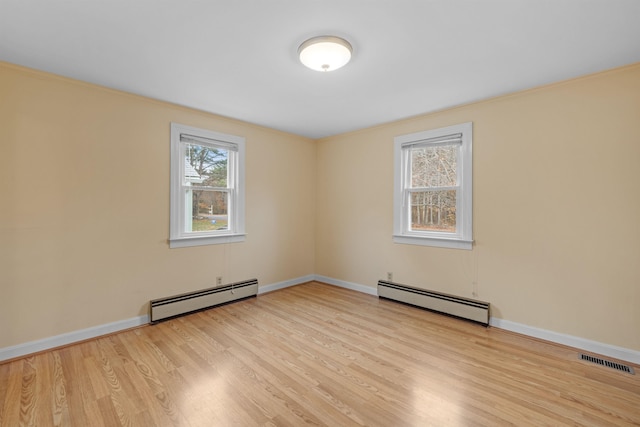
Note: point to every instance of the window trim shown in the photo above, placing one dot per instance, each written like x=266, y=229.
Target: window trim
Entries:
x=463, y=238
x=178, y=238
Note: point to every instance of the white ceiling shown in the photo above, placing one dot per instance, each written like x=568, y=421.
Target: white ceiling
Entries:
x=237, y=58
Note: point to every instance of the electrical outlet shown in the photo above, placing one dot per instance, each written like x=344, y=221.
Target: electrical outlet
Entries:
x=218, y=280
x=390, y=276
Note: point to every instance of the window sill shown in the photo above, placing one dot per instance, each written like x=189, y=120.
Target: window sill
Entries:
x=434, y=242
x=184, y=242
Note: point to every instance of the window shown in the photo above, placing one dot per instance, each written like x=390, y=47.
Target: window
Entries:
x=207, y=187
x=433, y=188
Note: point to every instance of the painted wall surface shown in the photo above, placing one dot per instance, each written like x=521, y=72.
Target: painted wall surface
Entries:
x=84, y=206
x=556, y=208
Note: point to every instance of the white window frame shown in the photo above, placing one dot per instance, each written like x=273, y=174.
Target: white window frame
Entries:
x=402, y=233
x=178, y=236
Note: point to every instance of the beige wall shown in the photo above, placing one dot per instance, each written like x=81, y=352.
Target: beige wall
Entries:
x=84, y=206
x=556, y=208
x=84, y=202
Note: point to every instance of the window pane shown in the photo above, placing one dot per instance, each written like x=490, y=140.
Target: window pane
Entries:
x=434, y=166
x=205, y=166
x=209, y=210
x=433, y=211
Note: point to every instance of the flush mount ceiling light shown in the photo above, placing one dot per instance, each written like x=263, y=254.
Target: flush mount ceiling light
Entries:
x=325, y=53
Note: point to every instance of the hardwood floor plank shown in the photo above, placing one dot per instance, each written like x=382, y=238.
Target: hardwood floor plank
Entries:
x=44, y=381
x=150, y=385
x=59, y=403
x=108, y=414
x=5, y=371
x=28, y=395
x=11, y=381
x=81, y=399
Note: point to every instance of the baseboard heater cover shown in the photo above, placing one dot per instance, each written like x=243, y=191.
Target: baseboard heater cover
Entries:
x=465, y=308
x=165, y=308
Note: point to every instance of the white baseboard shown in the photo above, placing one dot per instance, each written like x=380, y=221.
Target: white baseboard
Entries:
x=70, y=338
x=20, y=350
x=348, y=285
x=586, y=345
x=96, y=331
x=285, y=284
x=569, y=340
x=341, y=283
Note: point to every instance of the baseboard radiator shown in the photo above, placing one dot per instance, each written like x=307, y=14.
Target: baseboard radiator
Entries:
x=465, y=308
x=165, y=308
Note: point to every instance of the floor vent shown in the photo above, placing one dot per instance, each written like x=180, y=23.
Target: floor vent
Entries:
x=177, y=305
x=607, y=363
x=465, y=308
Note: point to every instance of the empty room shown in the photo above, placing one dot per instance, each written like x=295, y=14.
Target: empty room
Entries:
x=336, y=213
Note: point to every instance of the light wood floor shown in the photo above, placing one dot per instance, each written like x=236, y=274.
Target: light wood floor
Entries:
x=315, y=354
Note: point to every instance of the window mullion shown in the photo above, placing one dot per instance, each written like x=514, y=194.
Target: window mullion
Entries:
x=206, y=188
x=419, y=189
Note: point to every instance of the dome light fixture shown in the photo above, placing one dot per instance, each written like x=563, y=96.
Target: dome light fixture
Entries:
x=325, y=53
